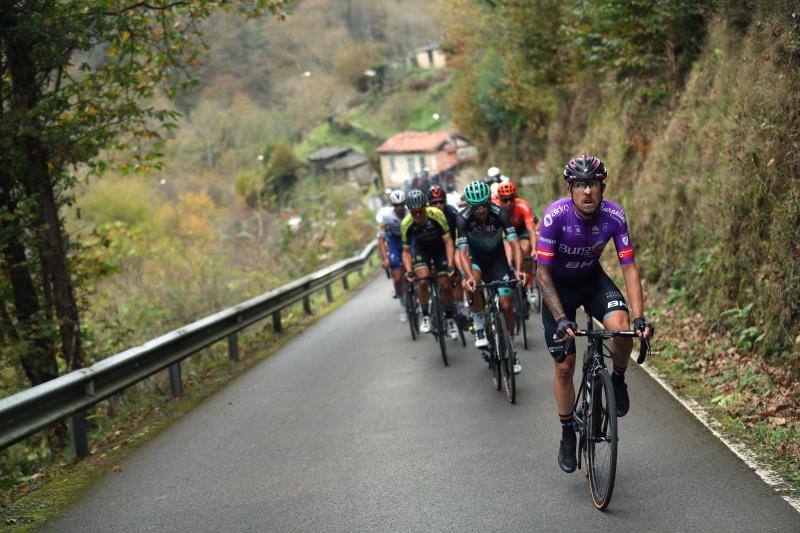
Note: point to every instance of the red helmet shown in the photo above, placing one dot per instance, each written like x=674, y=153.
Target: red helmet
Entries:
x=436, y=194
x=506, y=189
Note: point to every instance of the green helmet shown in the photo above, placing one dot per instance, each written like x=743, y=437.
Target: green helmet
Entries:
x=477, y=193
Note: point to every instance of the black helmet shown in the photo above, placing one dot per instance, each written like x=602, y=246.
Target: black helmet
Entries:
x=585, y=167
x=415, y=199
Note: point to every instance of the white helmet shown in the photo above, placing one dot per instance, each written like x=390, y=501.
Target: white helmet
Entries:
x=493, y=174
x=397, y=197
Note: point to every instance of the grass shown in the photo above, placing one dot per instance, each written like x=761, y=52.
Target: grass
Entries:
x=45, y=499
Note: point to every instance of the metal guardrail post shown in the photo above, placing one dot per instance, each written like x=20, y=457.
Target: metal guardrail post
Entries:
x=307, y=305
x=329, y=293
x=175, y=380
x=233, y=347
x=276, y=322
x=344, y=282
x=78, y=436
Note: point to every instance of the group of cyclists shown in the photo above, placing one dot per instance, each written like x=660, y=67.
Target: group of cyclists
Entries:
x=492, y=237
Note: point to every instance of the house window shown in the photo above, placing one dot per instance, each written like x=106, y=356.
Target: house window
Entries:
x=421, y=161
x=410, y=164
x=392, y=164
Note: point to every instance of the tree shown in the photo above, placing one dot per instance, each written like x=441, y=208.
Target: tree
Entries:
x=282, y=172
x=78, y=83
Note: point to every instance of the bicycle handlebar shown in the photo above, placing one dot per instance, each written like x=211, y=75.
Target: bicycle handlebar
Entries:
x=644, y=345
x=499, y=283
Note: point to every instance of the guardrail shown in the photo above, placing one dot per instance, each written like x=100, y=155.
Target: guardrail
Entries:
x=70, y=395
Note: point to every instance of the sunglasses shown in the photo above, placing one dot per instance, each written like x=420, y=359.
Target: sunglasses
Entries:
x=582, y=184
x=437, y=202
x=507, y=200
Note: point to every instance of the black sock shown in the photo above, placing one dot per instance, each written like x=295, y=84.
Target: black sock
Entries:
x=448, y=313
x=618, y=374
x=567, y=428
x=424, y=310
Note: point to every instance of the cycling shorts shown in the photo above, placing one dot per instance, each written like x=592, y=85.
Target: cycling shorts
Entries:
x=522, y=233
x=433, y=257
x=394, y=249
x=595, y=291
x=494, y=267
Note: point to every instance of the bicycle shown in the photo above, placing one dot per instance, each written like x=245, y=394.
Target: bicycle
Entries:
x=595, y=411
x=437, y=313
x=501, y=355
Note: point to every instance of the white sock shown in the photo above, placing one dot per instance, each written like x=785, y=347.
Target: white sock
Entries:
x=477, y=320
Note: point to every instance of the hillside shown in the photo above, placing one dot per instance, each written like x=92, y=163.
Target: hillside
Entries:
x=701, y=141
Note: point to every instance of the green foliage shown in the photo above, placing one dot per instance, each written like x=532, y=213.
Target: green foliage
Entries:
x=282, y=172
x=128, y=199
x=640, y=38
x=351, y=62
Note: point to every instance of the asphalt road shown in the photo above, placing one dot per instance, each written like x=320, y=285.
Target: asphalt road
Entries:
x=354, y=427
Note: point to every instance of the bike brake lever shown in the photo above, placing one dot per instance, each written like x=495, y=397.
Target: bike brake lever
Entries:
x=644, y=349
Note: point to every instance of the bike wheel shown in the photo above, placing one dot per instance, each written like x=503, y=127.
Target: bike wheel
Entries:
x=440, y=328
x=601, y=442
x=494, y=361
x=461, y=321
x=538, y=299
x=505, y=351
x=522, y=315
x=411, y=313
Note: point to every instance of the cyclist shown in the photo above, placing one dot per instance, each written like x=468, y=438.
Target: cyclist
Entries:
x=574, y=232
x=482, y=227
x=420, y=181
x=524, y=221
x=426, y=236
x=494, y=177
x=390, y=243
x=437, y=198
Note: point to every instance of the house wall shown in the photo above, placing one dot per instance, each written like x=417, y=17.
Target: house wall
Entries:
x=431, y=59
x=405, y=166
x=439, y=59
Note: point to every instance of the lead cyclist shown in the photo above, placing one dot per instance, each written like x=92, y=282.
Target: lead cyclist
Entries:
x=573, y=234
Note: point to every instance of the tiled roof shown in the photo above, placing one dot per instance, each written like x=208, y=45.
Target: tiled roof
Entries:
x=415, y=141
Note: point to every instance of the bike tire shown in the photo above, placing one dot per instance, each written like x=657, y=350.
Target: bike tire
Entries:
x=505, y=351
x=411, y=314
x=439, y=331
x=494, y=362
x=602, y=440
x=523, y=316
x=460, y=321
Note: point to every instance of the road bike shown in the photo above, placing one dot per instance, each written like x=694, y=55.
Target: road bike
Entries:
x=500, y=353
x=596, y=413
x=437, y=315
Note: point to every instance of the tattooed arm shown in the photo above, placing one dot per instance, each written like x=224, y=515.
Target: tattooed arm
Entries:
x=549, y=294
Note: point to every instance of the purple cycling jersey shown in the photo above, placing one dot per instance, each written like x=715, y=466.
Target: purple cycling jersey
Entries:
x=572, y=246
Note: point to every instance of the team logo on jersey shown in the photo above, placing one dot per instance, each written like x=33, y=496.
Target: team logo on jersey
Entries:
x=605, y=226
x=595, y=230
x=625, y=240
x=548, y=220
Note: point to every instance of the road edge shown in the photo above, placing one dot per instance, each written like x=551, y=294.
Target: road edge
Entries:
x=764, y=471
